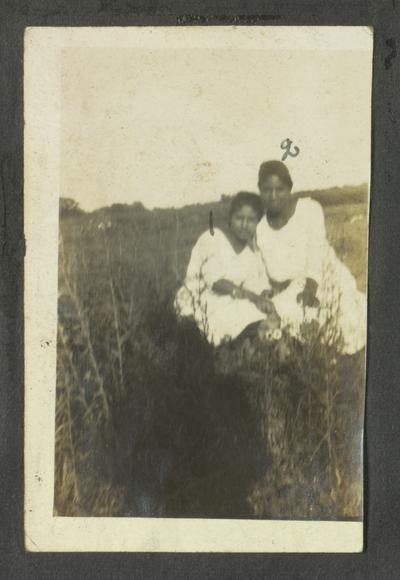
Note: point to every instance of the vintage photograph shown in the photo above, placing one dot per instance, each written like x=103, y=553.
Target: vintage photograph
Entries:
x=212, y=275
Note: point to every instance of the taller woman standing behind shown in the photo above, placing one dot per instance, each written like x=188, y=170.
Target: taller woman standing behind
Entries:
x=313, y=284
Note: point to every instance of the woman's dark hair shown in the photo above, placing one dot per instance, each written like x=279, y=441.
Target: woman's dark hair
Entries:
x=246, y=198
x=274, y=168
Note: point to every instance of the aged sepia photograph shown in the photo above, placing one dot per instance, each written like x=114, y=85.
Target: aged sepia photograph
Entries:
x=211, y=235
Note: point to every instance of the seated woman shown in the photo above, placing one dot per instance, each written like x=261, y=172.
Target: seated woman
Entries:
x=226, y=286
x=312, y=283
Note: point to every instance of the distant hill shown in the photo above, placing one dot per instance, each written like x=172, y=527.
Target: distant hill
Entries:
x=338, y=195
x=334, y=196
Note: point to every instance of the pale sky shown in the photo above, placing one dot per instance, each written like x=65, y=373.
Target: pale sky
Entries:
x=169, y=127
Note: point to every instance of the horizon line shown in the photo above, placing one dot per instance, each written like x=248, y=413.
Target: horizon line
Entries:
x=363, y=185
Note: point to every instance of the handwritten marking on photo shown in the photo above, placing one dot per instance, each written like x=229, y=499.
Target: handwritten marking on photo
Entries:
x=287, y=144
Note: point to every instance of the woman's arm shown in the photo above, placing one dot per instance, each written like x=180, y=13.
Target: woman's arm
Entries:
x=225, y=287
x=316, y=247
x=315, y=250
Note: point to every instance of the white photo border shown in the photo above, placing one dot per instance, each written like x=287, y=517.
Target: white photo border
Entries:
x=44, y=531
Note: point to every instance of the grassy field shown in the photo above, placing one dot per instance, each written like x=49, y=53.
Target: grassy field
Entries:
x=151, y=420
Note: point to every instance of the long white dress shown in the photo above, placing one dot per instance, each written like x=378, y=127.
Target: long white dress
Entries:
x=300, y=250
x=213, y=258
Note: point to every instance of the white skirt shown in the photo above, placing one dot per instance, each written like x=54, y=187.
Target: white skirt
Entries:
x=342, y=310
x=217, y=316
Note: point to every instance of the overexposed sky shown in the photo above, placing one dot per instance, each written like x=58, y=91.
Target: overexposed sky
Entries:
x=172, y=126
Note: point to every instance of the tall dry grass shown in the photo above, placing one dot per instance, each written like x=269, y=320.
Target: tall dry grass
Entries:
x=151, y=420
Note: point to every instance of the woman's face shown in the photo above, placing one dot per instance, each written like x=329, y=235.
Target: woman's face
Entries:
x=244, y=222
x=275, y=194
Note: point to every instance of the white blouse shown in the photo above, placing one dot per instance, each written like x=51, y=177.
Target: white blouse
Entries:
x=296, y=250
x=213, y=258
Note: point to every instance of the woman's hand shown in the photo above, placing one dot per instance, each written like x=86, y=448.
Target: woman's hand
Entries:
x=226, y=287
x=308, y=296
x=263, y=304
x=267, y=307
x=238, y=292
x=267, y=294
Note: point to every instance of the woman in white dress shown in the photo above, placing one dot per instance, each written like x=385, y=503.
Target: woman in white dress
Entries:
x=226, y=287
x=316, y=284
